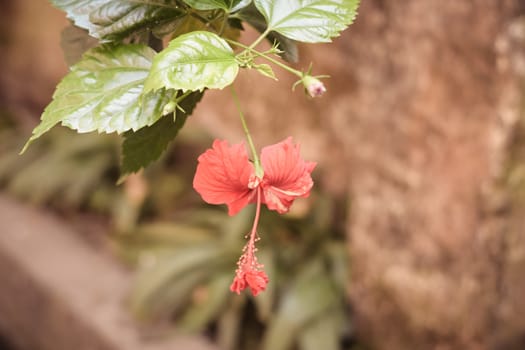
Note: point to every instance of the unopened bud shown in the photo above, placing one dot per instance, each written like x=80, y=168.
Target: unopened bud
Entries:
x=313, y=86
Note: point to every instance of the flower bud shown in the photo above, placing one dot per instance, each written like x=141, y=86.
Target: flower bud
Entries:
x=313, y=86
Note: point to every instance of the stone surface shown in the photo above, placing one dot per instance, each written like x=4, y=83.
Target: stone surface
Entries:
x=59, y=293
x=415, y=128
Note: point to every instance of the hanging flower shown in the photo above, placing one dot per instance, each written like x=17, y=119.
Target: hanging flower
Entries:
x=225, y=175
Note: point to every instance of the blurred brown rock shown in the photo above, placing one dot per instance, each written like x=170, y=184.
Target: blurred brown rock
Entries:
x=422, y=104
x=31, y=60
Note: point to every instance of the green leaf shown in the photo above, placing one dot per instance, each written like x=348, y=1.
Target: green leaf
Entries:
x=103, y=92
x=78, y=10
x=288, y=47
x=265, y=70
x=229, y=324
x=226, y=5
x=168, y=234
x=202, y=313
x=264, y=302
x=323, y=332
x=193, y=61
x=146, y=145
x=337, y=255
x=189, y=24
x=69, y=168
x=309, y=21
x=174, y=274
x=309, y=296
x=116, y=20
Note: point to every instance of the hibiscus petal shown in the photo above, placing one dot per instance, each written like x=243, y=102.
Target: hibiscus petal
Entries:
x=223, y=174
x=238, y=284
x=255, y=279
x=286, y=175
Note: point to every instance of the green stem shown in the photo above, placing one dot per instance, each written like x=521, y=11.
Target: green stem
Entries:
x=198, y=17
x=206, y=22
x=223, y=24
x=256, y=161
x=282, y=65
x=260, y=38
x=268, y=58
x=183, y=96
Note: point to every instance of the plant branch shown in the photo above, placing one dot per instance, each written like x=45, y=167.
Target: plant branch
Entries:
x=268, y=58
x=260, y=38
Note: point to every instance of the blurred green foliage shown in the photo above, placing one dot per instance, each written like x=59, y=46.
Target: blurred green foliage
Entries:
x=186, y=251
x=67, y=169
x=186, y=266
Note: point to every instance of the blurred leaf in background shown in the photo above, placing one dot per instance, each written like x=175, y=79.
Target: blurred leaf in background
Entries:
x=67, y=169
x=186, y=266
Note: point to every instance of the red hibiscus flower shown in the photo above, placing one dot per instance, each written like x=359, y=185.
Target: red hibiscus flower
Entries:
x=225, y=175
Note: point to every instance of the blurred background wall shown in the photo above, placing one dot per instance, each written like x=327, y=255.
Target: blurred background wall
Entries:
x=422, y=129
x=31, y=57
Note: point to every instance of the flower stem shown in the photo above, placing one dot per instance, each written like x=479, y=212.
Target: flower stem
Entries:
x=260, y=38
x=268, y=58
x=282, y=65
x=256, y=161
x=252, y=260
x=183, y=96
